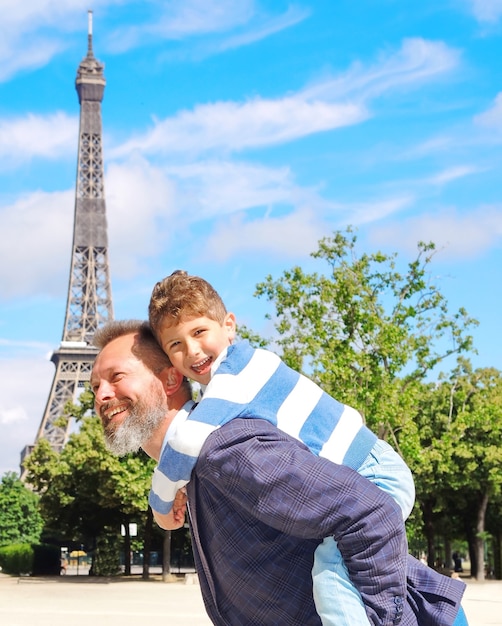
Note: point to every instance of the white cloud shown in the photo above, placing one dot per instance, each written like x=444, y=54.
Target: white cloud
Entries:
x=487, y=10
x=34, y=32
x=264, y=28
x=418, y=60
x=326, y=105
x=148, y=207
x=141, y=209
x=234, y=126
x=428, y=147
x=451, y=174
x=290, y=236
x=180, y=19
x=459, y=236
x=215, y=188
x=210, y=26
x=492, y=118
x=25, y=389
x=375, y=210
x=36, y=240
x=13, y=415
x=47, y=136
x=22, y=345
x=37, y=230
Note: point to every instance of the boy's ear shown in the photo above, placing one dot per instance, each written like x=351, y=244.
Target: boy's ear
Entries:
x=171, y=379
x=230, y=324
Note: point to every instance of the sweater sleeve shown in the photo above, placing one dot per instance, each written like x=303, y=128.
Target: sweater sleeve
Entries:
x=278, y=481
x=177, y=460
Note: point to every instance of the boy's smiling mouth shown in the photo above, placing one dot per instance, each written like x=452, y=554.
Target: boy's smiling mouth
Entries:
x=202, y=365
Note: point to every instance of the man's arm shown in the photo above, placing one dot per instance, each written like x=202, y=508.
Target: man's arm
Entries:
x=278, y=481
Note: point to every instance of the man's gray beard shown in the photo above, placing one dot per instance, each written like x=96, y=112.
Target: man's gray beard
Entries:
x=144, y=418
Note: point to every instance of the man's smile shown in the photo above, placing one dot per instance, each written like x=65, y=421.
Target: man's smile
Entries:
x=108, y=412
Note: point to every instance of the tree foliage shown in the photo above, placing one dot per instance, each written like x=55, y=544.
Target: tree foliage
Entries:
x=374, y=332
x=85, y=491
x=365, y=331
x=20, y=519
x=459, y=427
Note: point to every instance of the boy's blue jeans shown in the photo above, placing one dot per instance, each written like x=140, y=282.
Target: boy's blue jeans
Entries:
x=336, y=599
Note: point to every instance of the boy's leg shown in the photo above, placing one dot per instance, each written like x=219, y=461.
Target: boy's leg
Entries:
x=461, y=619
x=387, y=470
x=336, y=599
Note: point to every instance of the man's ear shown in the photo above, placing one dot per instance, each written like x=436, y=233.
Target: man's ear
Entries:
x=230, y=324
x=171, y=379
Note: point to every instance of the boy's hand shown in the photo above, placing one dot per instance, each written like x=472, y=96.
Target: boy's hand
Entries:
x=180, y=505
x=176, y=516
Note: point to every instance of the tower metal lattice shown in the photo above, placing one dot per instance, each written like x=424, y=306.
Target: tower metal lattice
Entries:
x=89, y=303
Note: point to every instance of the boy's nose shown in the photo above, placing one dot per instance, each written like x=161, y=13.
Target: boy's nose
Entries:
x=192, y=347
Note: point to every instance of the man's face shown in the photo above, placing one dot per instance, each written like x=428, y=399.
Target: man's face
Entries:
x=128, y=397
x=195, y=343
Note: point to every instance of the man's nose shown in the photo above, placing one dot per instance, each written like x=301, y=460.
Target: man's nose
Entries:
x=104, y=392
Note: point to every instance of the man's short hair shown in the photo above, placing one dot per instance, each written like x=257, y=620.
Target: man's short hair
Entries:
x=181, y=296
x=145, y=347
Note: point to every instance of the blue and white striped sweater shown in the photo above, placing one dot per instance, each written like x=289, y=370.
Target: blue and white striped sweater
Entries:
x=255, y=383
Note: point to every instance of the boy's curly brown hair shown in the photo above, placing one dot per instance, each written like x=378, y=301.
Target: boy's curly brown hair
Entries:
x=180, y=296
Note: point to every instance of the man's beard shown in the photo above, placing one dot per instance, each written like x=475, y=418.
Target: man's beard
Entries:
x=145, y=416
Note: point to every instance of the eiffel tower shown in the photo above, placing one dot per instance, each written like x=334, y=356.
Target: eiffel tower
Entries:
x=89, y=303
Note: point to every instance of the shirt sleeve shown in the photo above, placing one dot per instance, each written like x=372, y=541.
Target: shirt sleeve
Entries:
x=277, y=480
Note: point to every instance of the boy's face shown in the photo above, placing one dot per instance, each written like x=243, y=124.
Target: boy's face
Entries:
x=195, y=343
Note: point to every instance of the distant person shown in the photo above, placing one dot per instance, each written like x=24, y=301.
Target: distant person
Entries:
x=192, y=324
x=259, y=501
x=457, y=562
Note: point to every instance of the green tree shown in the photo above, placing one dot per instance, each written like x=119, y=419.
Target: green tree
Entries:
x=476, y=454
x=438, y=503
x=366, y=332
x=20, y=519
x=86, y=493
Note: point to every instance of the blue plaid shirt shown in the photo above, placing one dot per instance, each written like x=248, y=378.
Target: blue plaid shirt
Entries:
x=261, y=502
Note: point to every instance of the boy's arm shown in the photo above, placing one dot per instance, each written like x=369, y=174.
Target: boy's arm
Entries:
x=280, y=482
x=175, y=518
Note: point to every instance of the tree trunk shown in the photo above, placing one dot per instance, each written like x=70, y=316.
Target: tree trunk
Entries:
x=427, y=516
x=497, y=555
x=479, y=541
x=127, y=548
x=147, y=544
x=448, y=559
x=166, y=557
x=473, y=556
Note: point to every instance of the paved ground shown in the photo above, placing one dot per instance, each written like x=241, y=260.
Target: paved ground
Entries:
x=84, y=601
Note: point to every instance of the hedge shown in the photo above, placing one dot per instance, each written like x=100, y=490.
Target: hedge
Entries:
x=35, y=559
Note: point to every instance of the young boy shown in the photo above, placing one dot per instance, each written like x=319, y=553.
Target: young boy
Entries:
x=195, y=330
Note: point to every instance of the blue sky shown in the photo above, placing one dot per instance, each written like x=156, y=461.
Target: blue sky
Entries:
x=236, y=135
